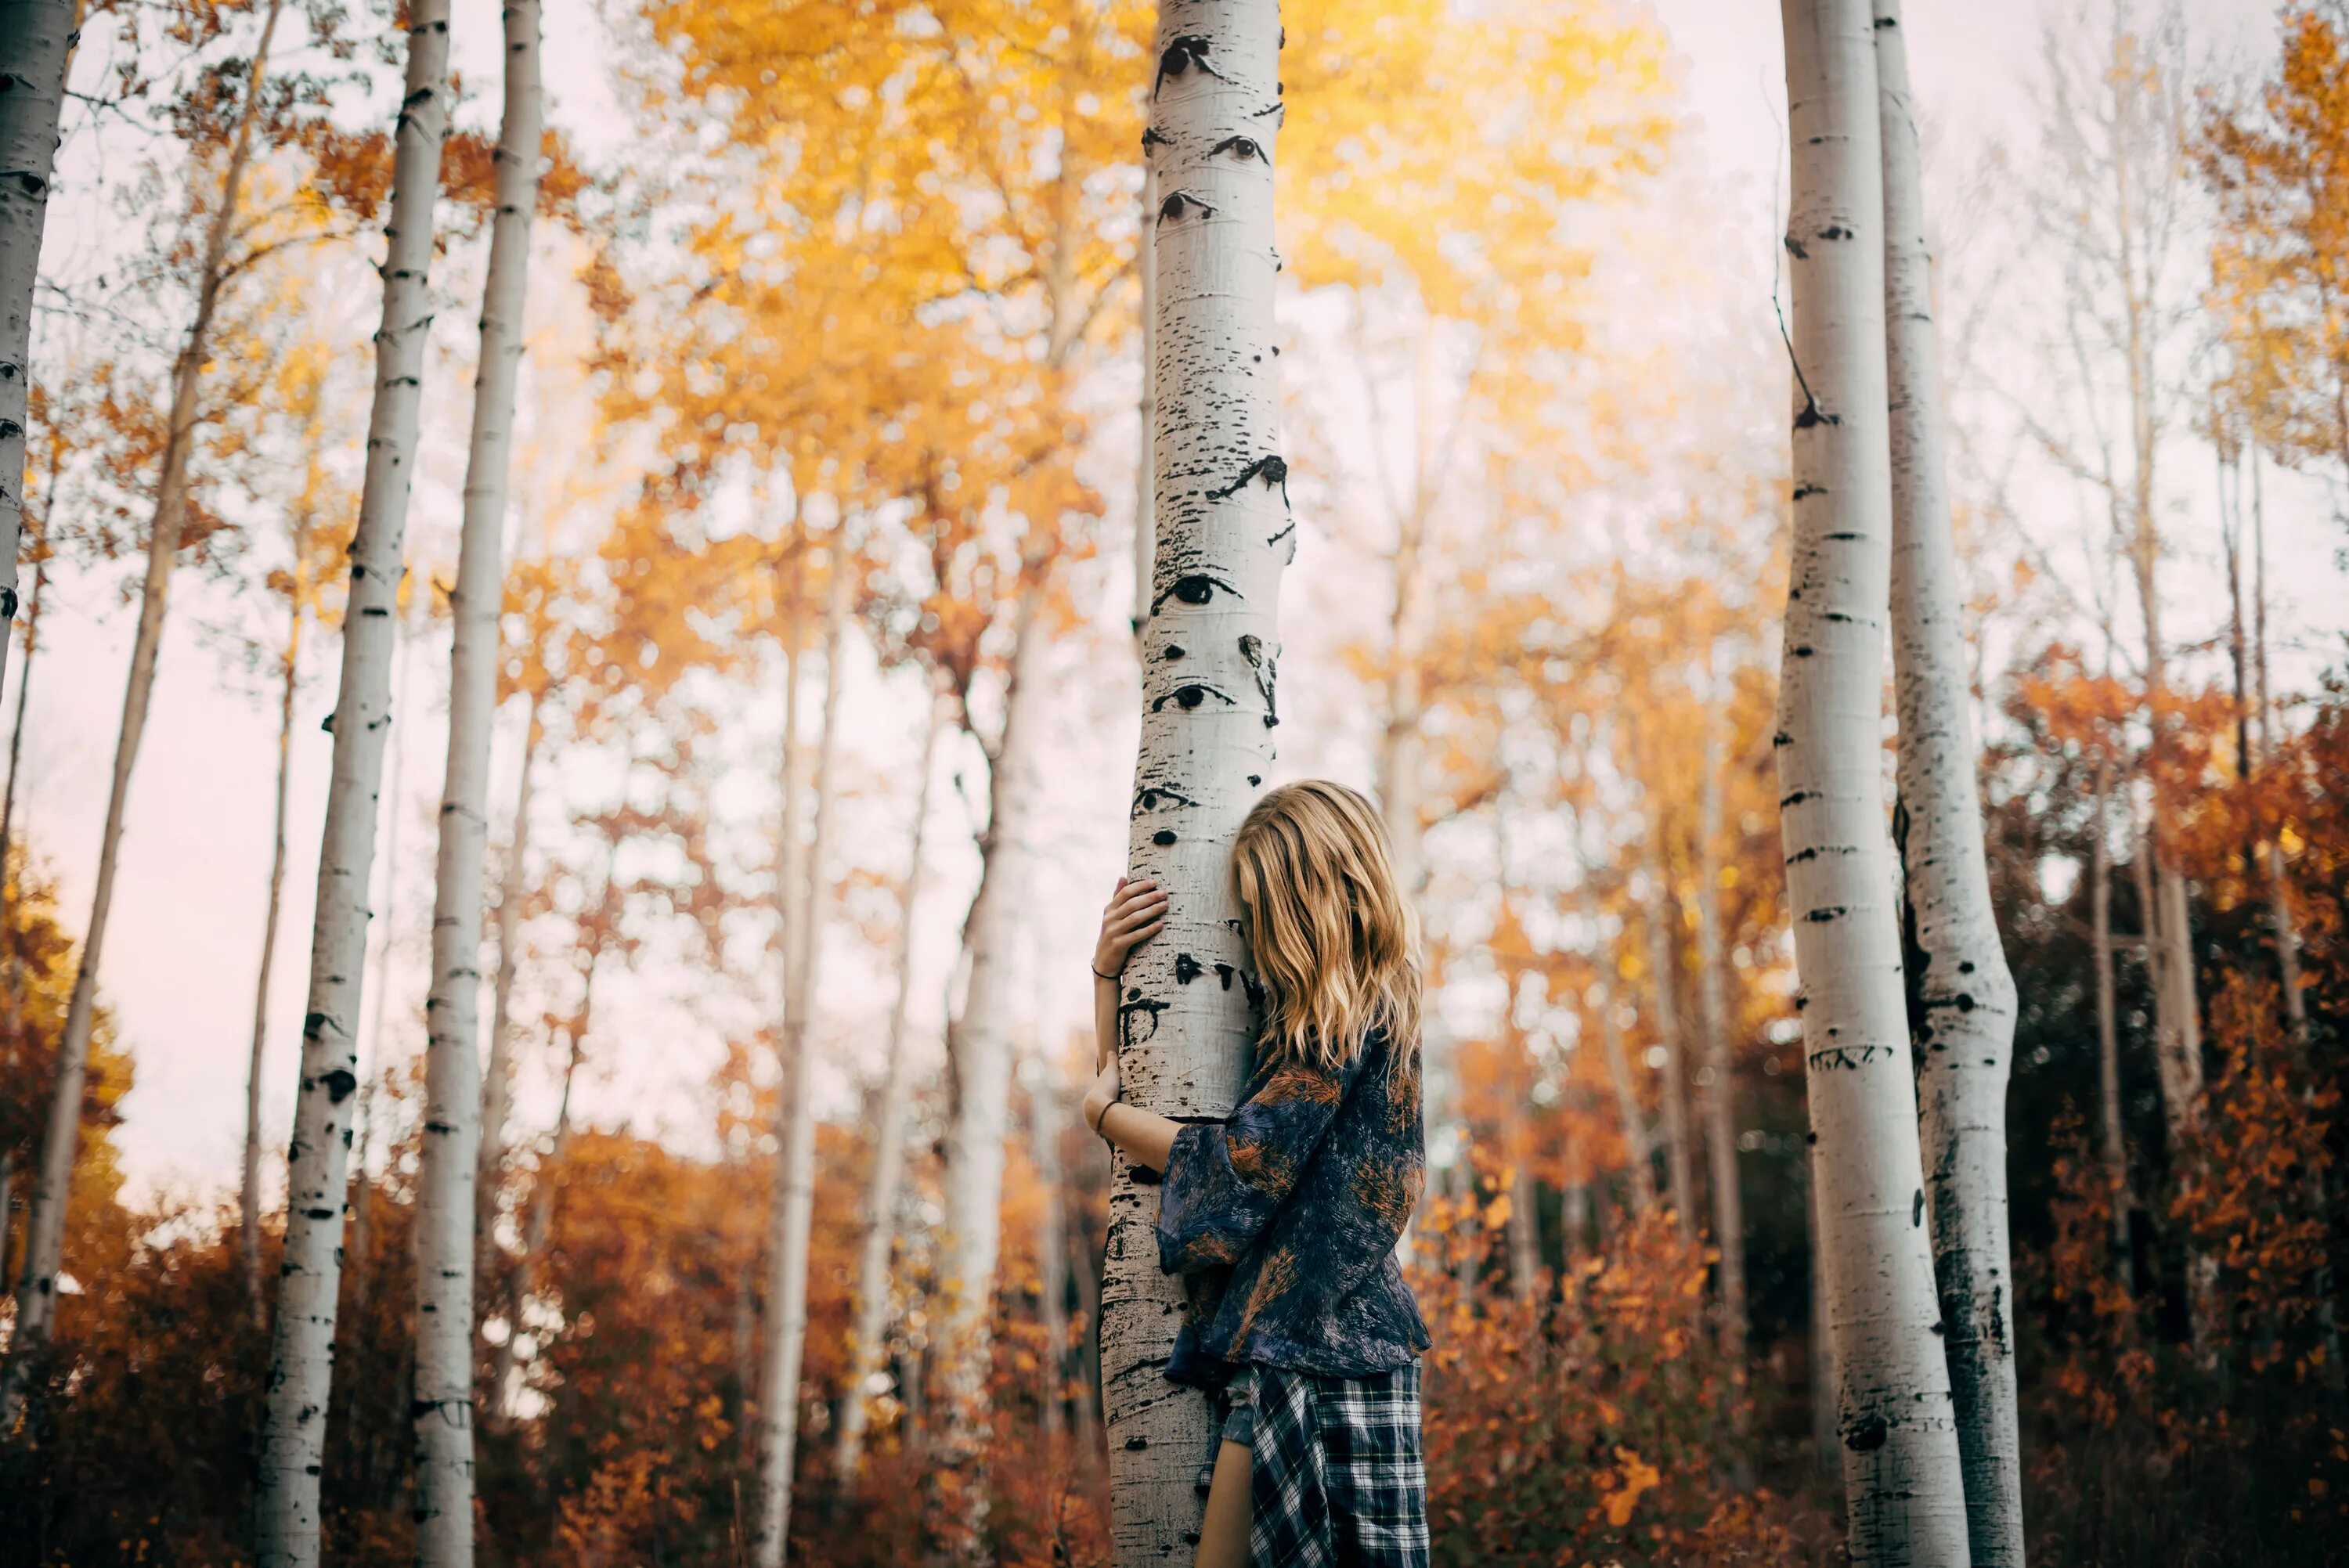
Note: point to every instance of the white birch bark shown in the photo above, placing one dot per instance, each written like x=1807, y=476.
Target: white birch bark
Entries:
x=779, y=1402
x=1903, y=1492
x=45, y=1220
x=1961, y=998
x=289, y=684
x=978, y=1049
x=441, y=1407
x=1145, y=505
x=287, y=1521
x=1046, y=1115
x=1210, y=648
x=869, y=1337
x=36, y=45
x=1720, y=1084
x=497, y=1081
x=1679, y=1165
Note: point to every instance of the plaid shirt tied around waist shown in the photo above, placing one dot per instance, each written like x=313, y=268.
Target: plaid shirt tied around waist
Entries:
x=1337, y=1476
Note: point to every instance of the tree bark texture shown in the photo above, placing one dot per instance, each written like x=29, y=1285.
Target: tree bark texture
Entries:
x=441, y=1407
x=794, y=1209
x=1209, y=652
x=497, y=1082
x=300, y=1364
x=289, y=686
x=2108, y=1047
x=978, y=1051
x=869, y=1336
x=1638, y=1149
x=1962, y=1000
x=36, y=45
x=1679, y=1165
x=1145, y=505
x=53, y=1180
x=1904, y=1495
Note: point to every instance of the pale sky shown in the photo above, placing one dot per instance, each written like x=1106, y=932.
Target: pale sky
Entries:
x=180, y=955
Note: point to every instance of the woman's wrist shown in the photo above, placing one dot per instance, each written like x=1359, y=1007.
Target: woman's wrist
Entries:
x=1107, y=977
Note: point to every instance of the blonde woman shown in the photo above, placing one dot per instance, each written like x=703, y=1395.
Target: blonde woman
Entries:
x=1283, y=1220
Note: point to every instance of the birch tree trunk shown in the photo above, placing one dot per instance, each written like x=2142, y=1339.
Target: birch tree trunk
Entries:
x=15, y=764
x=1638, y=1150
x=19, y=230
x=779, y=1401
x=978, y=1049
x=497, y=1082
x=1047, y=1112
x=2281, y=923
x=2108, y=1047
x=36, y=45
x=289, y=684
x=869, y=1339
x=441, y=1407
x=1145, y=505
x=1962, y=1000
x=1903, y=1489
x=1679, y=1163
x=1210, y=649
x=287, y=1521
x=1720, y=1080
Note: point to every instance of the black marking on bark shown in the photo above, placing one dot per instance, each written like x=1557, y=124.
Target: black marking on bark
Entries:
x=1867, y=1437
x=1796, y=247
x=1799, y=856
x=1172, y=208
x=1843, y=538
x=1917, y=1210
x=1186, y=969
x=1128, y=1030
x=1284, y=534
x=1224, y=972
x=1156, y=797
x=318, y=1214
x=1853, y=1057
x=1196, y=588
x=1174, y=651
x=1163, y=836
x=1150, y=139
x=1275, y=470
x=1836, y=231
x=1267, y=670
x=1812, y=415
x=1803, y=492
x=1821, y=916
x=1192, y=694
x=1187, y=52
x=1804, y=651
x=328, y=724
x=1135, y=1445
x=339, y=1085
x=1241, y=148
x=1840, y=618
x=1255, y=780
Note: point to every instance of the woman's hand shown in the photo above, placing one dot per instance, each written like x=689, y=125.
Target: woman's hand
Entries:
x=1100, y=1097
x=1136, y=912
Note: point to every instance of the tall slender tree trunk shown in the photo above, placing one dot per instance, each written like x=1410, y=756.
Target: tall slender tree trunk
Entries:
x=1679, y=1165
x=1720, y=1078
x=442, y=1407
x=978, y=1051
x=869, y=1339
x=42, y=31
x=10, y=980
x=2108, y=1047
x=286, y=1519
x=289, y=686
x=779, y=1402
x=1211, y=646
x=36, y=45
x=1827, y=1452
x=2281, y=923
x=1639, y=1148
x=497, y=1083
x=1047, y=1112
x=1961, y=998
x=1904, y=1492
x=1145, y=505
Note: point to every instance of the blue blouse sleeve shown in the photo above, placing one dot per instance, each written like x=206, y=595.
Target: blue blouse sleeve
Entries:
x=1223, y=1182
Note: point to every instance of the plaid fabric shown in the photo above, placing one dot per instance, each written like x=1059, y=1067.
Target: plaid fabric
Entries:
x=1338, y=1476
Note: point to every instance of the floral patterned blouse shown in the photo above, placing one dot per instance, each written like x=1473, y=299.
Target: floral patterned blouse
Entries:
x=1283, y=1222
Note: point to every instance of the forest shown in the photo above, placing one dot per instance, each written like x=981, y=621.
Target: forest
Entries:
x=608, y=582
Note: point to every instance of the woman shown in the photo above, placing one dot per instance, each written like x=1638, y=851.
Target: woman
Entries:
x=1283, y=1220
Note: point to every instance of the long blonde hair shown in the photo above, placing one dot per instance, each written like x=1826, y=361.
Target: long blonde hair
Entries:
x=1335, y=944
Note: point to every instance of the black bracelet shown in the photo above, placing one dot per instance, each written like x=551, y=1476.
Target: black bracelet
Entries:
x=1099, y=975
x=1102, y=1118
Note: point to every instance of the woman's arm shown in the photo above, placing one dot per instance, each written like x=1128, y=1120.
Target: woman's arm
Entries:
x=1146, y=1137
x=1136, y=912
